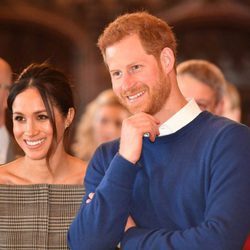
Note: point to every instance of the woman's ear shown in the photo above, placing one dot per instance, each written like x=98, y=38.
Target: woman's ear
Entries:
x=70, y=117
x=167, y=59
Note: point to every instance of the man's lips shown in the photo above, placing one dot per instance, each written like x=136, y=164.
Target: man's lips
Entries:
x=135, y=96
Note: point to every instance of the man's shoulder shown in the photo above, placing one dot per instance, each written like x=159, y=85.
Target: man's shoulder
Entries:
x=110, y=147
x=215, y=127
x=215, y=122
x=105, y=152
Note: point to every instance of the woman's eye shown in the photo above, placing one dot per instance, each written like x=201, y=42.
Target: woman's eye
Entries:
x=43, y=117
x=118, y=124
x=18, y=118
x=104, y=121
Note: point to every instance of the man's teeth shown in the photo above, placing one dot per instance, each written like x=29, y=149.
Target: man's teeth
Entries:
x=34, y=143
x=135, y=96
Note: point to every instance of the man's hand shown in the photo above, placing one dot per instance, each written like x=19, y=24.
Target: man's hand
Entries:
x=91, y=195
x=133, y=129
x=130, y=223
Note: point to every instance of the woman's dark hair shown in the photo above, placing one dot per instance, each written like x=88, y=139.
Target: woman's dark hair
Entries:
x=53, y=86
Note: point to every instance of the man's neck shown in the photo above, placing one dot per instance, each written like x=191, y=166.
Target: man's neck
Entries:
x=170, y=108
x=175, y=101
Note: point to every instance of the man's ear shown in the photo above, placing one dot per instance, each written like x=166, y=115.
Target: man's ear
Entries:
x=70, y=117
x=167, y=59
x=219, y=107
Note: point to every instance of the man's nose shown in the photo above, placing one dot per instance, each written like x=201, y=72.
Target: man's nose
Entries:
x=127, y=81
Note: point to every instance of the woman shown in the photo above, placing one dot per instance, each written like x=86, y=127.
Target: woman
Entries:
x=100, y=123
x=41, y=192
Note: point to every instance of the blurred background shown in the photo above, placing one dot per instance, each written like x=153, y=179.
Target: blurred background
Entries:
x=65, y=32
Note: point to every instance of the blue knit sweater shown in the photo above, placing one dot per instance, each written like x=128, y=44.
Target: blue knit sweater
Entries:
x=189, y=190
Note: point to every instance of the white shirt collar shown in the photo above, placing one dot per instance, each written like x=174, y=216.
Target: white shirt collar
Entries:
x=184, y=116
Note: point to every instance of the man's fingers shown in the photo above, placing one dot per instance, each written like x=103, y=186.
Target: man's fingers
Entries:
x=91, y=195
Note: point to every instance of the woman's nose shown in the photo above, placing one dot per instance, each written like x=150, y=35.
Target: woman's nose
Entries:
x=30, y=128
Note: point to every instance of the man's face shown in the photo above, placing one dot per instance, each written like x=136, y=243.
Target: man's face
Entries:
x=137, y=78
x=5, y=82
x=202, y=93
x=3, y=94
x=4, y=91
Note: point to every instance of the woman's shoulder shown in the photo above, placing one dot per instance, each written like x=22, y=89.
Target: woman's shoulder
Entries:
x=77, y=162
x=7, y=171
x=78, y=166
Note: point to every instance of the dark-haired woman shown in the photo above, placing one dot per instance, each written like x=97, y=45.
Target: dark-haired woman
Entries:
x=41, y=192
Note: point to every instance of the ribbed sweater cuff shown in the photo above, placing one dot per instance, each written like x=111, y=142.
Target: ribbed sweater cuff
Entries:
x=122, y=172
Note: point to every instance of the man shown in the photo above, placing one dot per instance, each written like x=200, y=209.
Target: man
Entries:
x=8, y=148
x=232, y=103
x=203, y=81
x=178, y=178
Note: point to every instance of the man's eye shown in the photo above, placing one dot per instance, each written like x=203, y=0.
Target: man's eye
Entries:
x=43, y=117
x=136, y=67
x=116, y=74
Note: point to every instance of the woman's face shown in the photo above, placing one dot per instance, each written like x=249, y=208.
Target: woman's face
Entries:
x=31, y=125
x=107, y=123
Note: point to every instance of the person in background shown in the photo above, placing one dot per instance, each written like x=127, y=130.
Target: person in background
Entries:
x=8, y=148
x=178, y=178
x=41, y=191
x=100, y=123
x=203, y=81
x=232, y=103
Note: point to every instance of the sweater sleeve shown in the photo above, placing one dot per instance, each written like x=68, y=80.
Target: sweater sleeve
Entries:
x=100, y=224
x=227, y=214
